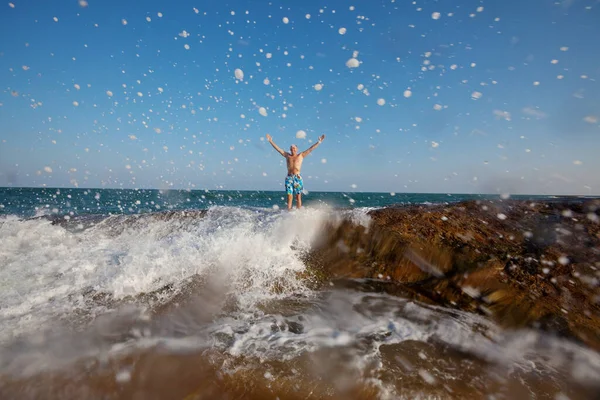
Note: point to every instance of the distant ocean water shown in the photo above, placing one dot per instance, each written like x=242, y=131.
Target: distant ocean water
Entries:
x=27, y=202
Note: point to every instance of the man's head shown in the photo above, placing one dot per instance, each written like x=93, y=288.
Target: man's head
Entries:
x=293, y=149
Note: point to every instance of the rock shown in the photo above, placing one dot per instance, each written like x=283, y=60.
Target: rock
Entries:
x=224, y=340
x=521, y=263
x=295, y=327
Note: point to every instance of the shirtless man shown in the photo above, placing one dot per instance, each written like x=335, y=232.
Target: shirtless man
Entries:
x=293, y=181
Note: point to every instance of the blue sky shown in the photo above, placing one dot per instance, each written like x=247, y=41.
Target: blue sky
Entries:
x=464, y=96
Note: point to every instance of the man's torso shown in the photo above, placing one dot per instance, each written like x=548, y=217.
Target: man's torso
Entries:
x=294, y=164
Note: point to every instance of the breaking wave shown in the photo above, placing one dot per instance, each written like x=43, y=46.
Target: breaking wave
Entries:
x=226, y=294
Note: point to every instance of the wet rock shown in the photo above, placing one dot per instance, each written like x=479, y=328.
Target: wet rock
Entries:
x=223, y=339
x=521, y=263
x=295, y=327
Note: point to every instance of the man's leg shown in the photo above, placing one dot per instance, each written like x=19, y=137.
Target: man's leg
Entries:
x=298, y=187
x=289, y=189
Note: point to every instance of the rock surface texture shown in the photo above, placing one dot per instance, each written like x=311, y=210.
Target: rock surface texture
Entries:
x=522, y=263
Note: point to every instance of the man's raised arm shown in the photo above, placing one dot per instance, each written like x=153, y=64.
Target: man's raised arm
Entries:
x=279, y=150
x=314, y=146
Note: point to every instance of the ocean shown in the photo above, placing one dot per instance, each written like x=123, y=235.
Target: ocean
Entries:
x=121, y=294
x=27, y=202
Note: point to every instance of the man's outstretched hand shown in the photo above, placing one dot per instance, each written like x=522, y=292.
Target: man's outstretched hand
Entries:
x=321, y=138
x=269, y=138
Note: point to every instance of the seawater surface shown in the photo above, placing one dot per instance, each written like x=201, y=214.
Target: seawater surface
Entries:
x=70, y=201
x=171, y=294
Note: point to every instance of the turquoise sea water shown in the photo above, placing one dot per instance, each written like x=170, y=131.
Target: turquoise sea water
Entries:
x=27, y=202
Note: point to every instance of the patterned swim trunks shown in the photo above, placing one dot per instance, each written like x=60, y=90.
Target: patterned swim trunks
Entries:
x=294, y=184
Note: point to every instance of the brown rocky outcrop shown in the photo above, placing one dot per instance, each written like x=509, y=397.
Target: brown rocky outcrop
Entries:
x=522, y=263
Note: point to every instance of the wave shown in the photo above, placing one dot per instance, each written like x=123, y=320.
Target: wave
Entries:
x=50, y=263
x=224, y=295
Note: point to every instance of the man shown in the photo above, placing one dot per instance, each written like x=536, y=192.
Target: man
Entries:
x=293, y=181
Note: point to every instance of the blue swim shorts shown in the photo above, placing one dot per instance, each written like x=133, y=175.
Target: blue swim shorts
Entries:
x=294, y=184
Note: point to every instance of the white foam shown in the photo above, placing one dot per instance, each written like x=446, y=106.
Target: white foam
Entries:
x=301, y=134
x=346, y=318
x=352, y=63
x=239, y=74
x=46, y=268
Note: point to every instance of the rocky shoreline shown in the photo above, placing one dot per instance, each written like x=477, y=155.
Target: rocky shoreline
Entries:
x=521, y=263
